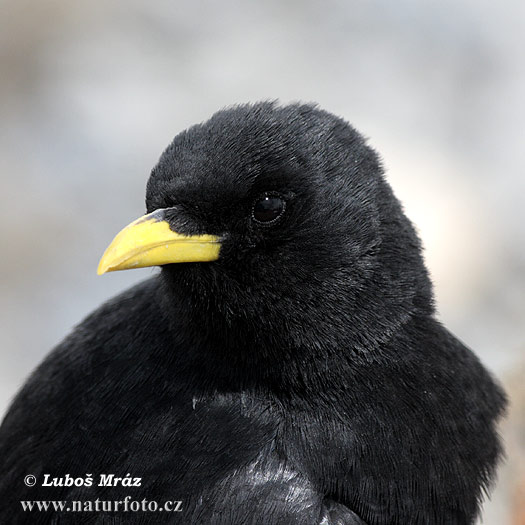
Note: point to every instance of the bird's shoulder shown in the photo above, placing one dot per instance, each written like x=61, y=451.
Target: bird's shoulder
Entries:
x=422, y=407
x=105, y=339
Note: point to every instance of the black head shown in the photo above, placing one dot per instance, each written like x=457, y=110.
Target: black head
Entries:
x=316, y=251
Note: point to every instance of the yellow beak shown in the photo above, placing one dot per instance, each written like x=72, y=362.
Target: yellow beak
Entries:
x=149, y=241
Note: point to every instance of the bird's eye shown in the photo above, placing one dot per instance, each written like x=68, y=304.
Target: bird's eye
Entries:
x=268, y=208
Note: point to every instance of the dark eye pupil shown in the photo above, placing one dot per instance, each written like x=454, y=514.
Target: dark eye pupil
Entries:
x=268, y=209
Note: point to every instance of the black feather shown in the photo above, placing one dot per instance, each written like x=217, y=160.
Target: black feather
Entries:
x=299, y=379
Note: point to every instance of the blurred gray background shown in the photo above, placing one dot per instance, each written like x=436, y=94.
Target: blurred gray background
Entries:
x=92, y=91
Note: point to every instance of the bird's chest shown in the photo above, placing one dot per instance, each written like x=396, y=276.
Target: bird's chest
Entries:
x=195, y=441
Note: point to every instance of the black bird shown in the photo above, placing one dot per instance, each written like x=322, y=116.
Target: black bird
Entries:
x=289, y=370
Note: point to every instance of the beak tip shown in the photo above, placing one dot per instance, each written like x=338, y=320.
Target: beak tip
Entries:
x=102, y=268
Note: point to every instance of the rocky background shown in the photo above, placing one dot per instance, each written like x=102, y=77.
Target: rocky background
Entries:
x=92, y=91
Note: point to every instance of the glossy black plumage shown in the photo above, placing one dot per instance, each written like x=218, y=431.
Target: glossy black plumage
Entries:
x=300, y=379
